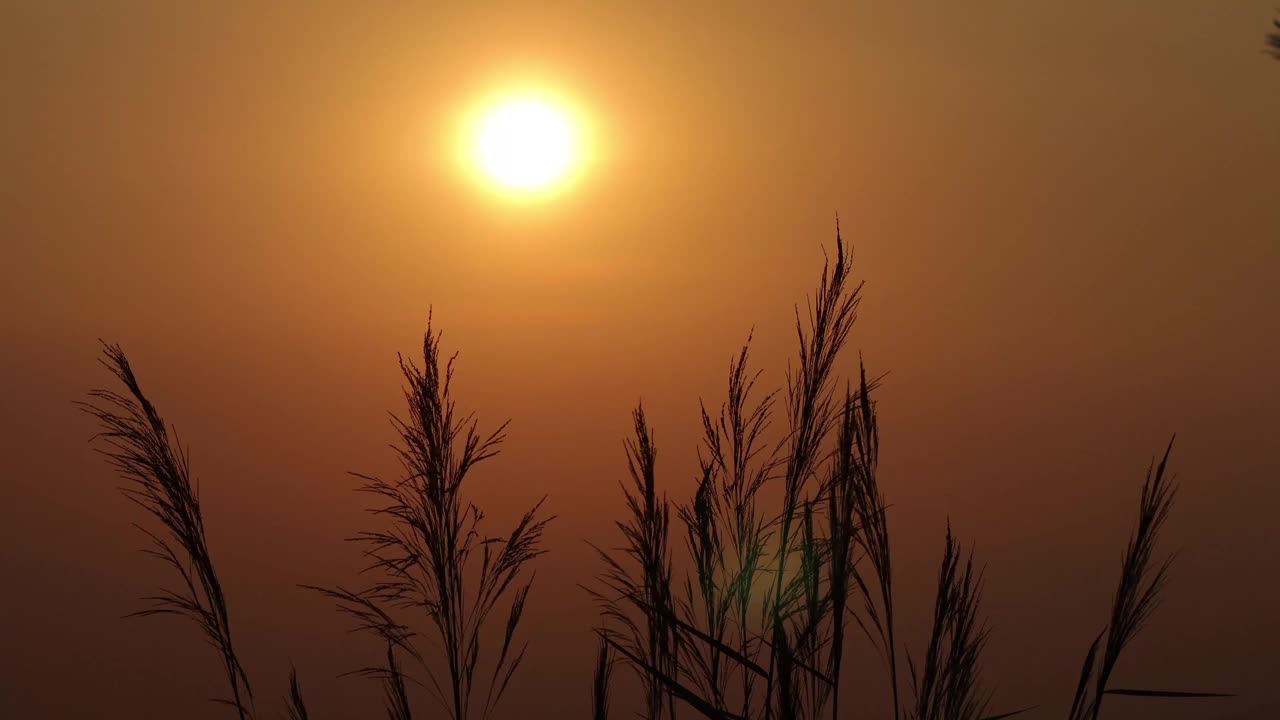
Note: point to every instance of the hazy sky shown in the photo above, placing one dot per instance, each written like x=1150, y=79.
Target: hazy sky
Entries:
x=1067, y=215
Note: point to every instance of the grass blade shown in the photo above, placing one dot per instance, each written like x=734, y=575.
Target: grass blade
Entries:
x=294, y=703
x=1166, y=693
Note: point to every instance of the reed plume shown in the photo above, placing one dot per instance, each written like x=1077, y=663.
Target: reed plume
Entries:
x=735, y=451
x=1142, y=577
x=157, y=471
x=832, y=564
x=708, y=605
x=641, y=583
x=426, y=558
x=695, y=641
x=1142, y=580
x=857, y=530
x=947, y=686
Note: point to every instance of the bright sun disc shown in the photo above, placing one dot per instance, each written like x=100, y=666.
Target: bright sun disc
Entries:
x=525, y=144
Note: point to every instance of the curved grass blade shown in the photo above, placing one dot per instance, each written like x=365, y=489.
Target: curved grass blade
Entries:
x=297, y=708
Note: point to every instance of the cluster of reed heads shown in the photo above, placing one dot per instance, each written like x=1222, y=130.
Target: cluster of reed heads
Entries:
x=784, y=568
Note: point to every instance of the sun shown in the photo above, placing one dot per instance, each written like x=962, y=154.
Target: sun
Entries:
x=525, y=143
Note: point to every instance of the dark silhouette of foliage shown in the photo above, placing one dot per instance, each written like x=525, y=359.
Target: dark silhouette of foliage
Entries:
x=1142, y=579
x=297, y=709
x=394, y=693
x=736, y=467
x=135, y=440
x=425, y=557
x=728, y=536
x=831, y=562
x=947, y=686
x=641, y=583
x=600, y=684
x=858, y=529
x=787, y=544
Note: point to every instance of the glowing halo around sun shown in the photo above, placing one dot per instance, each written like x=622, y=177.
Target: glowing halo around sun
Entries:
x=526, y=144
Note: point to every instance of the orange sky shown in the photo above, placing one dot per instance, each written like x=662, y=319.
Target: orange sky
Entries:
x=1067, y=215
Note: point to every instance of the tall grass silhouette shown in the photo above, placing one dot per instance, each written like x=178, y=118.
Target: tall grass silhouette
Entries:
x=1142, y=580
x=947, y=686
x=135, y=440
x=788, y=549
x=786, y=556
x=762, y=625
x=647, y=579
x=432, y=559
x=427, y=558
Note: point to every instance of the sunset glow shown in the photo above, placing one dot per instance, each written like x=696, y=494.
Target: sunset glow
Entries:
x=535, y=360
x=525, y=144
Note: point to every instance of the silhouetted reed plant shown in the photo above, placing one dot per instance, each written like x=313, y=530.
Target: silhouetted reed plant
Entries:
x=432, y=559
x=771, y=588
x=135, y=440
x=430, y=556
x=786, y=551
x=651, y=641
x=946, y=686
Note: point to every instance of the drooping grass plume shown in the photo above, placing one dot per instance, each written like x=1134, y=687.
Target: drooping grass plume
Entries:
x=640, y=583
x=157, y=471
x=368, y=612
x=433, y=550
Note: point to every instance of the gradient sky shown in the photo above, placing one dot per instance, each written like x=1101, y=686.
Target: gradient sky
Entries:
x=1067, y=215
